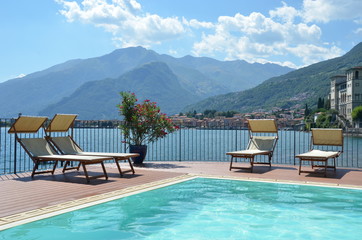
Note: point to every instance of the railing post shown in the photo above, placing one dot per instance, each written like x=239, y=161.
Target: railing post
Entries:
x=294, y=145
x=15, y=153
x=180, y=144
x=236, y=138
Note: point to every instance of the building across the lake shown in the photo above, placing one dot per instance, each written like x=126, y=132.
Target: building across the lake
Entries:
x=346, y=92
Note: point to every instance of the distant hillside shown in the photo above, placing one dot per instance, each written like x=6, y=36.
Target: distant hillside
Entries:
x=98, y=99
x=232, y=75
x=293, y=89
x=203, y=77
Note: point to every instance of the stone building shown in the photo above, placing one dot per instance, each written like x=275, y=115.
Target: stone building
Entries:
x=346, y=92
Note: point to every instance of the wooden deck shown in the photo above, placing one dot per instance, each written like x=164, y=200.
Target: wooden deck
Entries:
x=21, y=193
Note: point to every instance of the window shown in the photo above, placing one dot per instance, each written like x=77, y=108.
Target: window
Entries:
x=357, y=84
x=356, y=74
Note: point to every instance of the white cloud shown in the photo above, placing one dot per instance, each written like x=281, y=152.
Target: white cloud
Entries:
x=197, y=24
x=286, y=33
x=124, y=19
x=358, y=31
x=285, y=13
x=21, y=75
x=358, y=21
x=135, y=4
x=256, y=37
x=312, y=53
x=328, y=10
x=172, y=52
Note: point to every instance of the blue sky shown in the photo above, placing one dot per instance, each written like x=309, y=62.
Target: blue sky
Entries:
x=38, y=34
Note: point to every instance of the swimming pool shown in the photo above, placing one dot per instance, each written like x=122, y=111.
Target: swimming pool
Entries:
x=205, y=208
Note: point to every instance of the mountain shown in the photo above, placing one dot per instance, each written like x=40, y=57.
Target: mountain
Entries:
x=240, y=75
x=37, y=90
x=98, y=99
x=203, y=77
x=293, y=89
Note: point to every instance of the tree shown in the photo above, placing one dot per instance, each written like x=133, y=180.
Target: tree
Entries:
x=209, y=113
x=306, y=111
x=320, y=103
x=324, y=121
x=357, y=113
x=327, y=104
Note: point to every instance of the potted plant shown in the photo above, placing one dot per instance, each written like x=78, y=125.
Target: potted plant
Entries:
x=142, y=123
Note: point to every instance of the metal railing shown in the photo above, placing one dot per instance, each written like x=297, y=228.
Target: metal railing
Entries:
x=187, y=144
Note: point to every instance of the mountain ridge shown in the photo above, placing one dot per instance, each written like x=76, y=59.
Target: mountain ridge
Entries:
x=36, y=91
x=153, y=81
x=293, y=89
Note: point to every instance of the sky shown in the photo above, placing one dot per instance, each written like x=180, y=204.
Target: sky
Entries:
x=38, y=34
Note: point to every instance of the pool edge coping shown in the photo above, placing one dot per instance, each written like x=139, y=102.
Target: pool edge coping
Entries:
x=68, y=206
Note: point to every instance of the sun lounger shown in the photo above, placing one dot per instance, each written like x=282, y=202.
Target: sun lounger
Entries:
x=67, y=145
x=319, y=158
x=258, y=145
x=39, y=149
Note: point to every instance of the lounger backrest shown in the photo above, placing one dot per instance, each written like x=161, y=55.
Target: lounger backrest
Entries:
x=262, y=143
x=66, y=145
x=61, y=123
x=37, y=146
x=327, y=136
x=25, y=124
x=262, y=126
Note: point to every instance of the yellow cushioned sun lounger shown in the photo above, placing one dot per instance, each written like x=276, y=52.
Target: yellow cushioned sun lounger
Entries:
x=322, y=137
x=258, y=145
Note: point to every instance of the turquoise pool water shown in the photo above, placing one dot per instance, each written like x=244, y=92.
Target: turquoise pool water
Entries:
x=211, y=209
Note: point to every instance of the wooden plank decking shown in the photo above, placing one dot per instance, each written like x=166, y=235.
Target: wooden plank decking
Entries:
x=20, y=193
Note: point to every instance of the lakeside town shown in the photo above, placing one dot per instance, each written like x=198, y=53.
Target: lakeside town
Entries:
x=334, y=111
x=286, y=119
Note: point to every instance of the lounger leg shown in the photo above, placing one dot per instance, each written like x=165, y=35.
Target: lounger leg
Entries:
x=104, y=170
x=252, y=164
x=54, y=167
x=131, y=165
x=35, y=168
x=270, y=158
x=78, y=166
x=85, y=172
x=65, y=167
x=119, y=167
x=334, y=161
x=300, y=165
x=231, y=163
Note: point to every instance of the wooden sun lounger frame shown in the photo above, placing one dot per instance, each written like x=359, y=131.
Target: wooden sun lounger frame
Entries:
x=68, y=159
x=64, y=122
x=114, y=156
x=251, y=155
x=32, y=125
x=317, y=160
